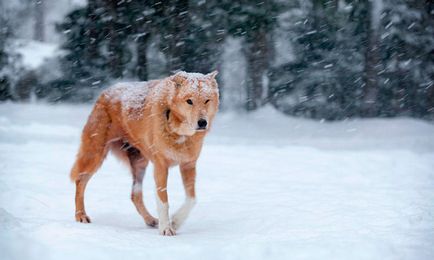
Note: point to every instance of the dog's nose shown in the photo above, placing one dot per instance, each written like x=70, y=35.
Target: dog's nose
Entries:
x=202, y=123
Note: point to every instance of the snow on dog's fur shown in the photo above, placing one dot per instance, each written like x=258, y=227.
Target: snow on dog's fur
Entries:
x=162, y=121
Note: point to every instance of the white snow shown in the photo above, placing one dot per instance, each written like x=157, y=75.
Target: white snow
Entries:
x=21, y=17
x=191, y=76
x=268, y=186
x=35, y=53
x=131, y=94
x=193, y=80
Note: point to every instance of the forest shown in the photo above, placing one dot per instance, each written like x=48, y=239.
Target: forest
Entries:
x=321, y=59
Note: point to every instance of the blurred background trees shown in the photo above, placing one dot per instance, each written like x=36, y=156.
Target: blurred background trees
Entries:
x=323, y=59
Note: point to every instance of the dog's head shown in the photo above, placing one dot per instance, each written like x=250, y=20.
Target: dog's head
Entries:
x=195, y=102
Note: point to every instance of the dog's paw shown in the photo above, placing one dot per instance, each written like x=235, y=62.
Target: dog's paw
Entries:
x=82, y=218
x=151, y=221
x=176, y=223
x=181, y=215
x=169, y=231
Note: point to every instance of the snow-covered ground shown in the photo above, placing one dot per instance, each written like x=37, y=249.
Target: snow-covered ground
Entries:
x=269, y=187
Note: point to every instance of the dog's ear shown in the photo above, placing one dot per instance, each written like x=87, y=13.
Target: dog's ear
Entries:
x=212, y=75
x=178, y=78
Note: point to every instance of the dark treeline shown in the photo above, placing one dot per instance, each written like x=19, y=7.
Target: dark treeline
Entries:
x=351, y=58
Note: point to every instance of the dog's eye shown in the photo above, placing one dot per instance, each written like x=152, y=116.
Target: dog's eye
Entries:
x=207, y=101
x=189, y=102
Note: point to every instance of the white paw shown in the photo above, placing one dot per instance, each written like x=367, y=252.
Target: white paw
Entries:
x=168, y=231
x=176, y=223
x=181, y=215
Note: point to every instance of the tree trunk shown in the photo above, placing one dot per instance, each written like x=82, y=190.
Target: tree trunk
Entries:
x=370, y=74
x=429, y=9
x=116, y=48
x=5, y=89
x=181, y=21
x=142, y=59
x=257, y=54
x=92, y=48
x=39, y=16
x=370, y=94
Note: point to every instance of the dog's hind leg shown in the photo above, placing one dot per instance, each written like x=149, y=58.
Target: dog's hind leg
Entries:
x=93, y=150
x=80, y=186
x=138, y=167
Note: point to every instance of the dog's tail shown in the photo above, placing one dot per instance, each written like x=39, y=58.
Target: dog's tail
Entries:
x=93, y=147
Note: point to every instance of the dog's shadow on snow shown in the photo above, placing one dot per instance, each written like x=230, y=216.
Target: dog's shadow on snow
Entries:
x=120, y=221
x=130, y=223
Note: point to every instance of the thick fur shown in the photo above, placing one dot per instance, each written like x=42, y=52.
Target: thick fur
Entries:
x=155, y=121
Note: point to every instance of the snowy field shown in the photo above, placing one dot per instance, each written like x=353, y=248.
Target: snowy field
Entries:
x=269, y=187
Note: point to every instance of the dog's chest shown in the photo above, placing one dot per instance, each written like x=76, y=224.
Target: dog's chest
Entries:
x=179, y=150
x=177, y=156
x=181, y=140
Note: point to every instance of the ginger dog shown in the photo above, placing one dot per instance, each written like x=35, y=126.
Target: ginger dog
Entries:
x=162, y=121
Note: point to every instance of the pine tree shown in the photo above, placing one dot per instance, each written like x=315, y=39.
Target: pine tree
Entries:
x=189, y=32
x=86, y=63
x=108, y=39
x=205, y=36
x=254, y=21
x=105, y=41
x=366, y=30
x=408, y=54
x=5, y=92
x=10, y=62
x=324, y=80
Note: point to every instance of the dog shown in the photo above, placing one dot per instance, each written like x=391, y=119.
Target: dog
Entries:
x=163, y=121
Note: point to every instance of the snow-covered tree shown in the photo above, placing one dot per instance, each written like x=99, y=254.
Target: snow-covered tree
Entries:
x=254, y=21
x=10, y=61
x=407, y=45
x=324, y=79
x=353, y=58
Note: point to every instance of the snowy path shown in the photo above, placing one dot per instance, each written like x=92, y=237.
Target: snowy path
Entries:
x=268, y=187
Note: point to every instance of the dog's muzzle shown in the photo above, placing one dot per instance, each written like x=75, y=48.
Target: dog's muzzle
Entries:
x=201, y=124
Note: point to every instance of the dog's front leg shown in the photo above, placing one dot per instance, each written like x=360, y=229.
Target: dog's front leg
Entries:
x=188, y=173
x=161, y=172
